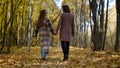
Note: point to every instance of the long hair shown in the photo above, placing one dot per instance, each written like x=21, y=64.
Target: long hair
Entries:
x=66, y=9
x=41, y=18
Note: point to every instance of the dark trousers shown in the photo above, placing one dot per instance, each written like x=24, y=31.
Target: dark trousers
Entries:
x=65, y=48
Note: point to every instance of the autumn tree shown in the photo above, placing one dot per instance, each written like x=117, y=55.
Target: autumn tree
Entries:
x=9, y=34
x=15, y=18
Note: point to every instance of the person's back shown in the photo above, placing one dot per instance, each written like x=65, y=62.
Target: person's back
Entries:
x=44, y=27
x=67, y=18
x=66, y=26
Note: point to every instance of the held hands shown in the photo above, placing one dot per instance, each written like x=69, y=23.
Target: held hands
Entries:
x=54, y=32
x=34, y=35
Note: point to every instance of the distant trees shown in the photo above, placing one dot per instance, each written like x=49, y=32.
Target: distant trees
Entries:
x=8, y=32
x=97, y=19
x=16, y=24
x=99, y=29
x=18, y=19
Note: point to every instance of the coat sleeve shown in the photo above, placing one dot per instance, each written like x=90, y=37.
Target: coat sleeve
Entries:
x=73, y=26
x=59, y=23
x=49, y=25
x=36, y=29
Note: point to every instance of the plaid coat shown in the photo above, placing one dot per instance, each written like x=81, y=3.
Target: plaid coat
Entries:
x=44, y=34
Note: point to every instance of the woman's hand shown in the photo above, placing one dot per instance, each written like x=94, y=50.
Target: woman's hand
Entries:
x=54, y=32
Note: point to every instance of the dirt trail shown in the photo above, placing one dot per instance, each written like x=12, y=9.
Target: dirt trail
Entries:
x=78, y=58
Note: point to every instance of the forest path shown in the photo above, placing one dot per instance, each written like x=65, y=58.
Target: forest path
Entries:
x=78, y=58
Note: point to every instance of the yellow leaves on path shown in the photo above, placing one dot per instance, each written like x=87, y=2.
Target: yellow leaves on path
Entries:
x=78, y=58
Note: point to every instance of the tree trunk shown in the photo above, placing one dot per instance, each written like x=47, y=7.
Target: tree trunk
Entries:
x=117, y=25
x=101, y=32
x=11, y=28
x=5, y=26
x=95, y=34
x=29, y=27
x=106, y=22
x=85, y=26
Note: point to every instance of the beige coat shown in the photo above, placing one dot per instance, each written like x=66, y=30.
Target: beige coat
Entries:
x=66, y=26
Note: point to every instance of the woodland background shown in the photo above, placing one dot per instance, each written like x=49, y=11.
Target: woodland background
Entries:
x=96, y=32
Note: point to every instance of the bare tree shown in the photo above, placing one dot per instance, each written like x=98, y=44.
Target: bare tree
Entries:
x=117, y=25
x=106, y=22
x=95, y=21
x=97, y=32
x=30, y=26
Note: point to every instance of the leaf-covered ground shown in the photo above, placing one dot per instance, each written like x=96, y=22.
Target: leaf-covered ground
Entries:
x=79, y=58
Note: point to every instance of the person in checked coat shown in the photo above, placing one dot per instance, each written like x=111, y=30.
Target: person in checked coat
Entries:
x=44, y=28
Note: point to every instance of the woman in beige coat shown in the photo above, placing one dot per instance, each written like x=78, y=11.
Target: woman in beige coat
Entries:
x=66, y=26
